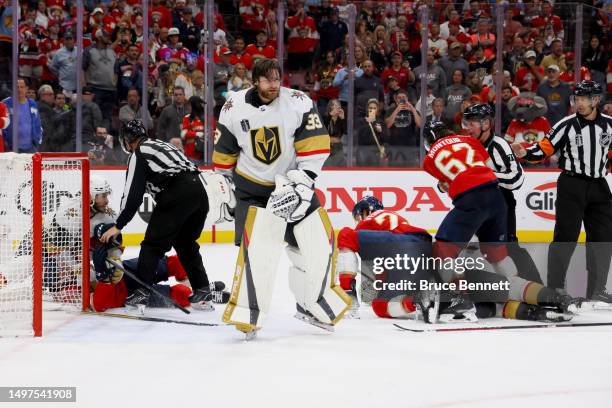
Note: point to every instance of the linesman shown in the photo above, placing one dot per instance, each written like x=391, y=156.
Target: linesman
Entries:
x=583, y=195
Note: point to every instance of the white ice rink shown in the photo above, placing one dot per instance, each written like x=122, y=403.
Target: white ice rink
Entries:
x=365, y=363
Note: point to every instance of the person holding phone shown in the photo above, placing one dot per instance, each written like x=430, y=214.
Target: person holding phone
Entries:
x=403, y=122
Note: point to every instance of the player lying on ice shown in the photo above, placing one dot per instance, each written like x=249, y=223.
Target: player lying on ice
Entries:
x=383, y=234
x=111, y=287
x=271, y=141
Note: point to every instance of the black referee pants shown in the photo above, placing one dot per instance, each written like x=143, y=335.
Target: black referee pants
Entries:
x=176, y=221
x=527, y=269
x=581, y=199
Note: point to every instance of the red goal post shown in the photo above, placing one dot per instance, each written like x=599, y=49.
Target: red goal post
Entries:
x=44, y=257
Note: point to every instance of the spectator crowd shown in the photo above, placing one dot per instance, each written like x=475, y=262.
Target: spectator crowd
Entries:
x=389, y=105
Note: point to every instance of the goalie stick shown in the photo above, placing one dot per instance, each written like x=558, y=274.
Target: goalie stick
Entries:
x=147, y=286
x=515, y=327
x=152, y=319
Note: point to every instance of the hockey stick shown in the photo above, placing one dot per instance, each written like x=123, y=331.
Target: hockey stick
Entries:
x=533, y=326
x=152, y=319
x=588, y=306
x=147, y=286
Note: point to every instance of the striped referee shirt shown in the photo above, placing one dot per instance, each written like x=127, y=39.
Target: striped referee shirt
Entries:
x=584, y=144
x=508, y=170
x=151, y=167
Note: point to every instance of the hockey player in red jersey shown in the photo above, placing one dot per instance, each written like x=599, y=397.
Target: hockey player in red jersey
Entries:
x=464, y=169
x=370, y=215
x=382, y=233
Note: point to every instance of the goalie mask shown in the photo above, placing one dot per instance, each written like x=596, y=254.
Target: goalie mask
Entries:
x=366, y=206
x=131, y=132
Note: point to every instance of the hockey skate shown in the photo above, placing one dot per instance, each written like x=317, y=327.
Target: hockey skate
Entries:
x=306, y=316
x=428, y=303
x=544, y=314
x=563, y=302
x=139, y=299
x=601, y=296
x=461, y=309
x=353, y=312
x=202, y=299
x=219, y=295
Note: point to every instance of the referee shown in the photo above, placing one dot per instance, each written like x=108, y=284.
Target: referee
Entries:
x=583, y=195
x=478, y=121
x=161, y=170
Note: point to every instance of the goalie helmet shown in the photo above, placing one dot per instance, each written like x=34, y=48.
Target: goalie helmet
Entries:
x=131, y=132
x=366, y=206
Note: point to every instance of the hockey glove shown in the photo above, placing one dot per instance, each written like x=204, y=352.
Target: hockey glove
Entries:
x=105, y=272
x=292, y=196
x=101, y=228
x=221, y=198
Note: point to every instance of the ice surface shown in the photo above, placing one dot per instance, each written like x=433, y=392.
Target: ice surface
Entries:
x=365, y=363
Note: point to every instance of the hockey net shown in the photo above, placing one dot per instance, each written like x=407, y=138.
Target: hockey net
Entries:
x=44, y=238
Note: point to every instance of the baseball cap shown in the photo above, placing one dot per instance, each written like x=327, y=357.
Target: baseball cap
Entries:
x=87, y=90
x=553, y=67
x=97, y=10
x=68, y=34
x=225, y=51
x=399, y=54
x=173, y=31
x=530, y=54
x=456, y=44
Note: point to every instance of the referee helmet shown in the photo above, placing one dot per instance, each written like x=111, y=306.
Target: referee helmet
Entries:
x=588, y=88
x=131, y=132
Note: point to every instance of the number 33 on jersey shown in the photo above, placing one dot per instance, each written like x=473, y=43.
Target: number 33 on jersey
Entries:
x=460, y=161
x=260, y=141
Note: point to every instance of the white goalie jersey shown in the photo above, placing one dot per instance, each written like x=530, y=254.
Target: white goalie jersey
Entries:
x=256, y=142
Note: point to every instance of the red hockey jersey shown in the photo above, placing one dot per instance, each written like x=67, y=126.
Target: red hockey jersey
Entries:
x=381, y=220
x=460, y=161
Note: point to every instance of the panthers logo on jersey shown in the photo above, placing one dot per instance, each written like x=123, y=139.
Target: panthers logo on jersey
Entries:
x=266, y=144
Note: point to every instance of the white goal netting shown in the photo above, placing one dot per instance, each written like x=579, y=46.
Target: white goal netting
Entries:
x=56, y=247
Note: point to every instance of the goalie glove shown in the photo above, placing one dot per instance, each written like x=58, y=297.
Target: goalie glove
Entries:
x=292, y=196
x=221, y=198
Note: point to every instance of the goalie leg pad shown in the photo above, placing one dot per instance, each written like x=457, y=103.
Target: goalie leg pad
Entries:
x=312, y=278
x=255, y=273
